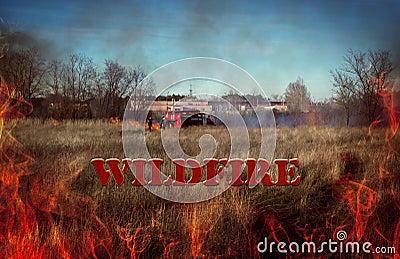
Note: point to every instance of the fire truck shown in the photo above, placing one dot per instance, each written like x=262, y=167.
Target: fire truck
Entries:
x=184, y=118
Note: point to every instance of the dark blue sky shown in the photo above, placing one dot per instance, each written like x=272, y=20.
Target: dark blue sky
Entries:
x=275, y=41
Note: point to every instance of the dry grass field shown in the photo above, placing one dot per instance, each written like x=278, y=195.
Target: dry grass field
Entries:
x=349, y=181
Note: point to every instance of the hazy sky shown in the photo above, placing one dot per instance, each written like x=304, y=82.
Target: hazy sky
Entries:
x=275, y=41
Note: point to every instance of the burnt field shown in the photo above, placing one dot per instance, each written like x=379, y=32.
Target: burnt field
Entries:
x=55, y=206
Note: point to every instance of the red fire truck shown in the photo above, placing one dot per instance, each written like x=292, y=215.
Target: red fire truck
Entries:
x=184, y=118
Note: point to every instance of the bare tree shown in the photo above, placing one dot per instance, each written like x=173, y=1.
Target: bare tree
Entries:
x=360, y=80
x=142, y=90
x=117, y=81
x=23, y=70
x=57, y=94
x=298, y=100
x=78, y=77
x=99, y=101
x=297, y=97
x=342, y=93
x=54, y=77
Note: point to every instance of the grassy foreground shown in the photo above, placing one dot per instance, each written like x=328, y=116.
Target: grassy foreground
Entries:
x=350, y=181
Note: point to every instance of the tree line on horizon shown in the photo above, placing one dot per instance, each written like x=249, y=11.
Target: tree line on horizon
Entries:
x=67, y=85
x=76, y=87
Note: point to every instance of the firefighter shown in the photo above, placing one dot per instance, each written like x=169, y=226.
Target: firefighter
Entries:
x=149, y=122
x=162, y=125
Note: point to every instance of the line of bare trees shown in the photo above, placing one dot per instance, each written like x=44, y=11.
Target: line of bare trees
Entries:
x=359, y=86
x=360, y=83
x=75, y=87
x=24, y=71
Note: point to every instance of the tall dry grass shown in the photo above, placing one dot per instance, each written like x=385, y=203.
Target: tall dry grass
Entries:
x=230, y=225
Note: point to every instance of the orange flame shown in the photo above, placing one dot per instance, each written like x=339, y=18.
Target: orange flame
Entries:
x=201, y=222
x=168, y=253
x=197, y=236
x=54, y=121
x=389, y=102
x=18, y=228
x=114, y=120
x=138, y=239
x=278, y=232
x=361, y=199
x=388, y=96
x=155, y=126
x=136, y=242
x=44, y=221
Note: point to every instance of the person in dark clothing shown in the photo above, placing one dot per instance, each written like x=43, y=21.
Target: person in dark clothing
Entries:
x=149, y=122
x=162, y=125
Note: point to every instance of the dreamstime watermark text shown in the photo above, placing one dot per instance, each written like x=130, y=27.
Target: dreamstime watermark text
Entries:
x=330, y=246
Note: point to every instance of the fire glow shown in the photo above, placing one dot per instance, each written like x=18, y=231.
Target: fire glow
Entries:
x=39, y=226
x=42, y=222
x=214, y=167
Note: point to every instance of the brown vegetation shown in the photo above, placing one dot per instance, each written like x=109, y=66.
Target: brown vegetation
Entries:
x=349, y=181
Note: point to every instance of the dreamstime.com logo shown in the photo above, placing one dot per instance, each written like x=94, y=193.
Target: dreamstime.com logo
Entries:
x=209, y=176
x=330, y=246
